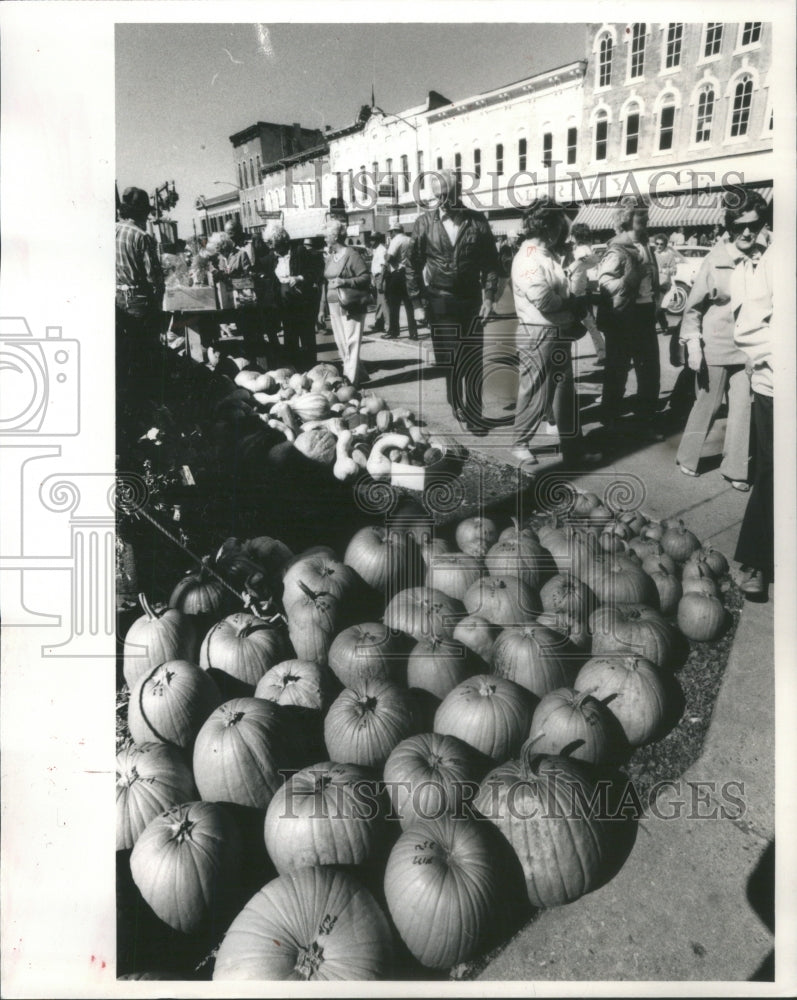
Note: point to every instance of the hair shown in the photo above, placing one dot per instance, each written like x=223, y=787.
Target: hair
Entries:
x=538, y=217
x=339, y=226
x=659, y=236
x=378, y=239
x=580, y=232
x=275, y=232
x=626, y=209
x=736, y=205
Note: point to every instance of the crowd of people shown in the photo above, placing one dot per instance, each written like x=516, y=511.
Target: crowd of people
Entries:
x=446, y=275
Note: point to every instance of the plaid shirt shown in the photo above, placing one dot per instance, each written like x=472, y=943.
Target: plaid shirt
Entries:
x=138, y=270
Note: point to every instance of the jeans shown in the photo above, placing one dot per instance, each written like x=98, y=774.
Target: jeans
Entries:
x=458, y=342
x=631, y=339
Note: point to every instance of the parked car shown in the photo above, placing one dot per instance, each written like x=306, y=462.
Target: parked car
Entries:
x=684, y=277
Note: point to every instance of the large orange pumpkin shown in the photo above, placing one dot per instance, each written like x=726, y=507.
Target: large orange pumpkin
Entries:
x=537, y=658
x=365, y=723
x=366, y=652
x=438, y=666
x=170, y=704
x=158, y=636
x=243, y=646
x=149, y=779
x=490, y=713
x=635, y=629
x=575, y=724
x=297, y=682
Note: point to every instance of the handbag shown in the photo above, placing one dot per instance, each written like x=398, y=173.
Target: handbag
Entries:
x=353, y=300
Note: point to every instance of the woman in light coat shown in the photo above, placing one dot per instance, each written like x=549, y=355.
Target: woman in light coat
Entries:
x=345, y=268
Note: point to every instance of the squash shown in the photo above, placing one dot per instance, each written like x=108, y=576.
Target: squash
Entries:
x=185, y=862
x=296, y=682
x=442, y=888
x=661, y=563
x=170, y=704
x=156, y=637
x=428, y=775
x=327, y=814
x=491, y=714
x=318, y=444
x=502, y=600
x=453, y=573
x=323, y=371
x=366, y=652
x=699, y=585
x=378, y=464
x=635, y=691
x=437, y=666
x=634, y=629
x=701, y=617
x=535, y=657
x=150, y=778
x=315, y=925
x=345, y=467
x=478, y=634
x=365, y=723
x=309, y=406
x=476, y=535
x=541, y=805
x=243, y=646
x=575, y=724
x=423, y=613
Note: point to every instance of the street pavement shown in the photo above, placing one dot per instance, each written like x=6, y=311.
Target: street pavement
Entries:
x=691, y=903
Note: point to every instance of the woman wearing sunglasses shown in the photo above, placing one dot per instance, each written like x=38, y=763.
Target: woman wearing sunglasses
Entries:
x=707, y=332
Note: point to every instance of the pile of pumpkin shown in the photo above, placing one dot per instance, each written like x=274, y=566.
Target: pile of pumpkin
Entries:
x=352, y=431
x=525, y=662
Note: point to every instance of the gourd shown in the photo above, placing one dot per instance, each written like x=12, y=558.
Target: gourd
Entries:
x=381, y=556
x=345, y=467
x=502, y=600
x=701, y=617
x=635, y=629
x=318, y=444
x=437, y=666
x=378, y=464
x=453, y=573
x=422, y=612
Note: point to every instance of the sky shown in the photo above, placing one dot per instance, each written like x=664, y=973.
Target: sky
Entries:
x=183, y=89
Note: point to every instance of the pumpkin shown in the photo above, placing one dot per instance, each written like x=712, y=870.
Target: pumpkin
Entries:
x=475, y=535
x=381, y=556
x=701, y=617
x=635, y=520
x=149, y=779
x=700, y=585
x=490, y=713
x=696, y=569
x=670, y=591
x=366, y=652
x=574, y=551
x=426, y=776
x=309, y=405
x=713, y=558
x=540, y=805
x=170, y=704
x=679, y=542
x=364, y=723
x=317, y=443
x=423, y=612
x=502, y=600
x=653, y=531
x=585, y=503
x=201, y=593
x=600, y=515
x=567, y=594
x=184, y=863
x=612, y=544
x=574, y=724
x=271, y=554
x=516, y=533
x=296, y=682
x=535, y=657
x=240, y=752
x=661, y=563
x=442, y=889
x=478, y=634
x=431, y=547
x=453, y=573
x=572, y=627
x=438, y=665
x=321, y=573
x=614, y=582
x=326, y=814
x=315, y=925
x=635, y=629
x=633, y=689
x=243, y=646
x=522, y=558
x=313, y=622
x=156, y=637
x=645, y=547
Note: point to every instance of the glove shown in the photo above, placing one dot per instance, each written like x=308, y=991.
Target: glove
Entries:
x=694, y=355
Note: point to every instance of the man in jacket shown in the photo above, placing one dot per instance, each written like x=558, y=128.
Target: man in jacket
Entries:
x=628, y=284
x=396, y=283
x=452, y=268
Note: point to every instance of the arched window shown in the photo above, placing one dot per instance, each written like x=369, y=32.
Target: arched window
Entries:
x=258, y=168
x=605, y=61
x=704, y=115
x=742, y=99
x=601, y=134
x=637, y=51
x=632, y=130
x=667, y=122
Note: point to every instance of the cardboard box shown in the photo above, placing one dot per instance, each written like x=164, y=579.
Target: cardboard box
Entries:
x=189, y=298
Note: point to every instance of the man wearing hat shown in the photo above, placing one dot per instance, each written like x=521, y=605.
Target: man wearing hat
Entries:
x=139, y=291
x=396, y=282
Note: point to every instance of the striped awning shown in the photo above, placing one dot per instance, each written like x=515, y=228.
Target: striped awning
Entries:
x=670, y=209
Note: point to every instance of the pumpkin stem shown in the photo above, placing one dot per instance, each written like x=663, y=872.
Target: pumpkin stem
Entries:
x=581, y=696
x=306, y=590
x=309, y=960
x=183, y=831
x=529, y=759
x=368, y=703
x=148, y=611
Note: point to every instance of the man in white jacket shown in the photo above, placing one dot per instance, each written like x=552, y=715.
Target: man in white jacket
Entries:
x=752, y=302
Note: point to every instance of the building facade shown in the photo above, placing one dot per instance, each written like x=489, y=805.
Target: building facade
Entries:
x=215, y=212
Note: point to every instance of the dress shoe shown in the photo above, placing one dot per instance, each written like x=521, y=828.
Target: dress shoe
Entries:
x=389, y=336
x=751, y=582
x=412, y=336
x=524, y=454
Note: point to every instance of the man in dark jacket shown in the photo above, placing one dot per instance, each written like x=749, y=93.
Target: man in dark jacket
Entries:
x=292, y=277
x=452, y=268
x=628, y=283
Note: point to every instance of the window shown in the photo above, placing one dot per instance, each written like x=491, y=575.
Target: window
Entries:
x=258, y=168
x=672, y=53
x=458, y=162
x=252, y=171
x=405, y=174
x=477, y=163
x=420, y=162
x=547, y=149
x=632, y=131
x=572, y=140
x=637, y=50
x=771, y=124
x=240, y=176
x=705, y=115
x=389, y=170
x=751, y=33
x=439, y=162
x=742, y=99
x=522, y=149
x=605, y=61
x=601, y=135
x=667, y=123
x=713, y=39
x=499, y=158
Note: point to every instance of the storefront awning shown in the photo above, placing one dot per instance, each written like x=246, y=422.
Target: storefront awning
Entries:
x=669, y=209
x=503, y=227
